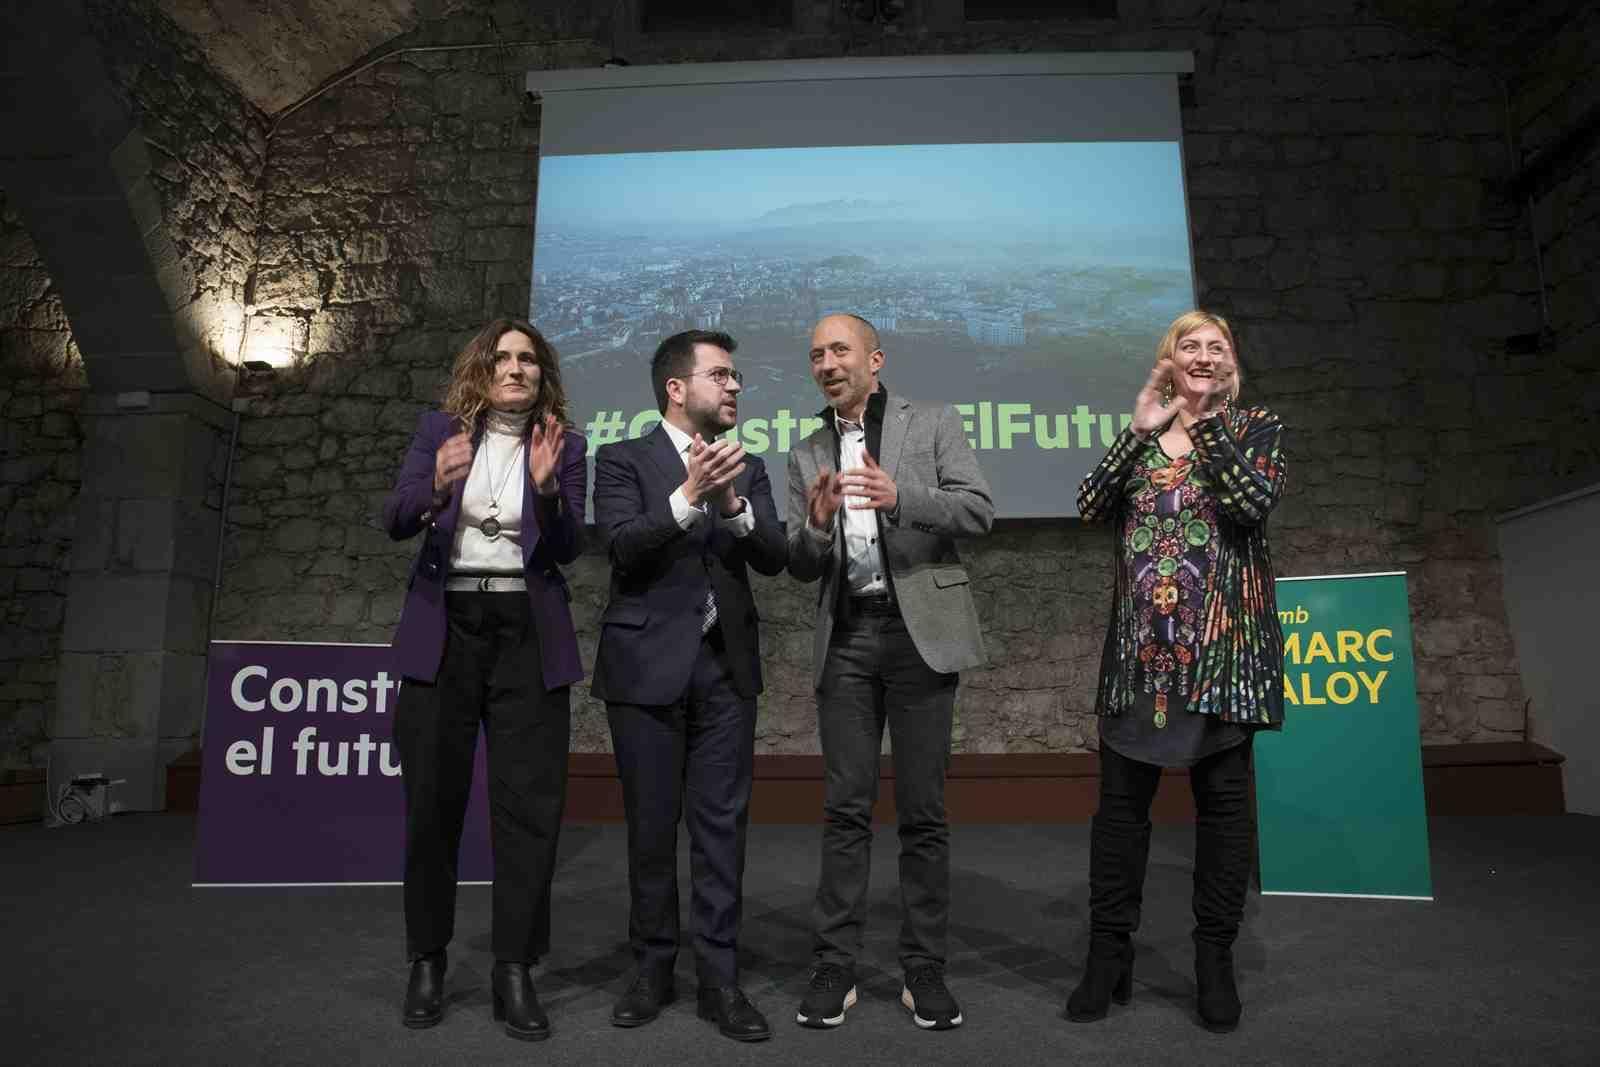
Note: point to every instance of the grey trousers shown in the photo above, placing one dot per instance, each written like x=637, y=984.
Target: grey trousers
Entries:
x=874, y=675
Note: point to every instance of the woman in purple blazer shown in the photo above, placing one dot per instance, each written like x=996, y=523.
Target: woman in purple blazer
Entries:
x=495, y=484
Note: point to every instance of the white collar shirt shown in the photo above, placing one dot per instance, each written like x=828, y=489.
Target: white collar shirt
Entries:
x=864, y=570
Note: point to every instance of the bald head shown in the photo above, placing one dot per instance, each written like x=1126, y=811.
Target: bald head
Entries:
x=845, y=360
x=869, y=332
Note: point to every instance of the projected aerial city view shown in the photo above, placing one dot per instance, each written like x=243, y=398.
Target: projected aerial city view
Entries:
x=1023, y=274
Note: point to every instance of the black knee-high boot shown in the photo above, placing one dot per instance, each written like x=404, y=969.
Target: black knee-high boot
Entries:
x=1119, y=852
x=1222, y=860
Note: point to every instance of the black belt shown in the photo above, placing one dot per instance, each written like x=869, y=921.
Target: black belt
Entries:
x=877, y=604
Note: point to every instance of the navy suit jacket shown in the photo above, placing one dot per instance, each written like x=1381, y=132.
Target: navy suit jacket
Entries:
x=650, y=632
x=552, y=533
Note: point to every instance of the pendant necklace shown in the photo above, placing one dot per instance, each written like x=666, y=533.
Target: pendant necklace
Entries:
x=491, y=525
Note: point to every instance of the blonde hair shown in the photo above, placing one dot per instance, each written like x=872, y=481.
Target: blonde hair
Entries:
x=1188, y=323
x=472, y=375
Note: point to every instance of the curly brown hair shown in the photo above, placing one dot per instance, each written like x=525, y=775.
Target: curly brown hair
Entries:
x=472, y=375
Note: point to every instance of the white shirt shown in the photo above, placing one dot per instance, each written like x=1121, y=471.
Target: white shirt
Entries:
x=499, y=473
x=864, y=571
x=688, y=514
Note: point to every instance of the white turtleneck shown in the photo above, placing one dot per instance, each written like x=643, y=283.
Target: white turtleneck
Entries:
x=499, y=475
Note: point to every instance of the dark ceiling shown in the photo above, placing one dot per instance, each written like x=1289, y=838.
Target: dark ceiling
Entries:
x=276, y=51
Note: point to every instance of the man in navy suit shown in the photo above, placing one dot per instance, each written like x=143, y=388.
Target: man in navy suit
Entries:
x=683, y=516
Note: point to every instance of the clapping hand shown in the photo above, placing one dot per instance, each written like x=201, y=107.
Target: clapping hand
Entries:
x=1150, y=406
x=451, y=463
x=712, y=469
x=544, y=453
x=823, y=497
x=1153, y=406
x=870, y=481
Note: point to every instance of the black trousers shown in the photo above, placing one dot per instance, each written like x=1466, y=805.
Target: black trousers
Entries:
x=690, y=759
x=491, y=673
x=1119, y=843
x=874, y=676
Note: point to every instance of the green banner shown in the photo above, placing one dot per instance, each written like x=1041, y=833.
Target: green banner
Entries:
x=1339, y=803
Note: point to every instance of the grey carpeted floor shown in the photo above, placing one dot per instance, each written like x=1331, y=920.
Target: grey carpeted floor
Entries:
x=111, y=957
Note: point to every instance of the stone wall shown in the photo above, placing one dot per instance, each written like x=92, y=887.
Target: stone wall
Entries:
x=1348, y=190
x=1553, y=95
x=41, y=389
x=1343, y=180
x=397, y=217
x=205, y=143
x=206, y=149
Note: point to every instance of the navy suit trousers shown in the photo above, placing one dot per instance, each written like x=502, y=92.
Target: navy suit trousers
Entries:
x=690, y=759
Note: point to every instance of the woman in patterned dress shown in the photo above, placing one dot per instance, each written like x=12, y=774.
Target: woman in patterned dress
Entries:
x=1193, y=661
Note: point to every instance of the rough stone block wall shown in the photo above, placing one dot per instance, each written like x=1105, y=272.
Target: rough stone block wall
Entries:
x=208, y=144
x=397, y=217
x=1341, y=175
x=207, y=148
x=1554, y=96
x=1346, y=180
x=42, y=386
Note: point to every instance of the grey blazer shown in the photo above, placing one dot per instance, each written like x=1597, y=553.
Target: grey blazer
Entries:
x=943, y=495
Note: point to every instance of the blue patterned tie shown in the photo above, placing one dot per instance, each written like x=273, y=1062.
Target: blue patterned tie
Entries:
x=711, y=612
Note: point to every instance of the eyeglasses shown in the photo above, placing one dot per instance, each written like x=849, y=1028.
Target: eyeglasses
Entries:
x=720, y=375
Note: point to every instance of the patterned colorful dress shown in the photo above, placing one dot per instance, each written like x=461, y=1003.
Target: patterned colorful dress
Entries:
x=1194, y=653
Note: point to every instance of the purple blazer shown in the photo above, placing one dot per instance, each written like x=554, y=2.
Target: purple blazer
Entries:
x=552, y=534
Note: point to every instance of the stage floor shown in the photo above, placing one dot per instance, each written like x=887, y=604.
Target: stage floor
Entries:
x=112, y=956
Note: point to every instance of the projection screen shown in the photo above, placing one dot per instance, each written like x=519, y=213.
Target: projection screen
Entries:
x=1014, y=226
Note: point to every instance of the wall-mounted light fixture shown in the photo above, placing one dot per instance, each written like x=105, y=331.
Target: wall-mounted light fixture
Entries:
x=882, y=12
x=273, y=339
x=255, y=378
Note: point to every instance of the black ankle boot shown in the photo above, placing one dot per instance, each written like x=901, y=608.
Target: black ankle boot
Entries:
x=425, y=992
x=516, y=1003
x=1107, y=976
x=1218, y=995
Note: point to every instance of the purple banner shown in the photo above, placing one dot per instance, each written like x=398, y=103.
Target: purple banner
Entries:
x=300, y=775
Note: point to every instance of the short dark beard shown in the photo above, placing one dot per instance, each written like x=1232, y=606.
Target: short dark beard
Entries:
x=708, y=427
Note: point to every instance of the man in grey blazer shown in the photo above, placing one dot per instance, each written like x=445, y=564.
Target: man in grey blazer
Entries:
x=877, y=497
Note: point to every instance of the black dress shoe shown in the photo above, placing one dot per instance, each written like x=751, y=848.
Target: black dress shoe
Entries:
x=425, y=992
x=731, y=1010
x=516, y=1003
x=643, y=1000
